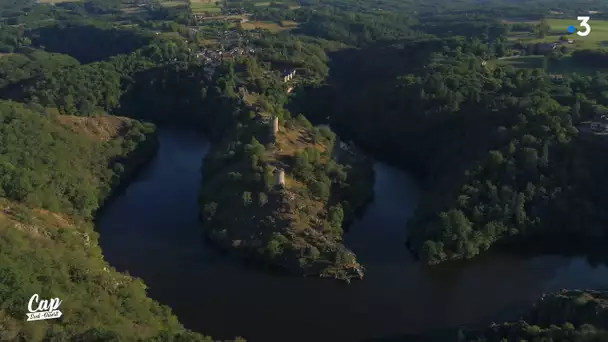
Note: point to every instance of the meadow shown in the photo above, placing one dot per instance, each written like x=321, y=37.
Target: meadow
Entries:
x=174, y=3
x=598, y=37
x=205, y=6
x=55, y=1
x=268, y=25
x=262, y=3
x=561, y=66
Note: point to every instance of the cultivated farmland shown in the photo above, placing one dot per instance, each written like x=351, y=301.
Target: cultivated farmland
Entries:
x=559, y=27
x=205, y=6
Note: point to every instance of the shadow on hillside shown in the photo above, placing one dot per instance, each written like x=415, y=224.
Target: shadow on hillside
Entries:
x=87, y=43
x=165, y=94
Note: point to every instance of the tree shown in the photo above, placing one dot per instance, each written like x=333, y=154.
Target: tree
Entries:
x=576, y=112
x=336, y=217
x=313, y=252
x=262, y=199
x=209, y=211
x=302, y=168
x=327, y=133
x=543, y=28
x=247, y=198
x=519, y=209
x=268, y=178
x=276, y=245
x=321, y=189
x=316, y=135
x=302, y=120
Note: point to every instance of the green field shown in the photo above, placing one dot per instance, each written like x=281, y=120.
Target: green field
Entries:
x=202, y=6
x=175, y=3
x=55, y=1
x=559, y=27
x=267, y=25
x=555, y=67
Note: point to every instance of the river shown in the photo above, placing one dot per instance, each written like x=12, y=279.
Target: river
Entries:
x=151, y=231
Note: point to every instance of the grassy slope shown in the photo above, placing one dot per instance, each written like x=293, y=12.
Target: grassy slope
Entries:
x=57, y=255
x=103, y=128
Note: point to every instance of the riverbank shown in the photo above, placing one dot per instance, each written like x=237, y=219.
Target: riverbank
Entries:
x=129, y=166
x=153, y=226
x=567, y=315
x=278, y=190
x=49, y=244
x=285, y=203
x=361, y=177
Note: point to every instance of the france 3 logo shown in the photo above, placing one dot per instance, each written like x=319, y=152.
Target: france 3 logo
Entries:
x=584, y=23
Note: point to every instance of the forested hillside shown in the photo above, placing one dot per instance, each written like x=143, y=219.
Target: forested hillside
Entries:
x=61, y=157
x=505, y=153
x=564, y=316
x=499, y=148
x=49, y=247
x=38, y=166
x=298, y=224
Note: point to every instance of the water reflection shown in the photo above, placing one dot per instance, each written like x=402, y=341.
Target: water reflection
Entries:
x=152, y=232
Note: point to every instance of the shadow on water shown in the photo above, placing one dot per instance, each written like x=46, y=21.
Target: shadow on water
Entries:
x=151, y=231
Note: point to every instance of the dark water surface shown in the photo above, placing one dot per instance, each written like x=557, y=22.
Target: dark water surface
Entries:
x=152, y=232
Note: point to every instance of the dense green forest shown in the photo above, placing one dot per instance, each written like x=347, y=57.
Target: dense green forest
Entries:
x=505, y=153
x=61, y=158
x=507, y=157
x=499, y=148
x=568, y=315
x=38, y=168
x=48, y=245
x=54, y=257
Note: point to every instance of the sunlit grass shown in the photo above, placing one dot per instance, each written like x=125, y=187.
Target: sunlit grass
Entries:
x=559, y=27
x=270, y=26
x=202, y=6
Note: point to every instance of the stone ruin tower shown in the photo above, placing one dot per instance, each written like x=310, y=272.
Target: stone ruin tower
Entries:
x=287, y=76
x=279, y=177
x=274, y=128
x=275, y=125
